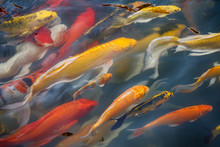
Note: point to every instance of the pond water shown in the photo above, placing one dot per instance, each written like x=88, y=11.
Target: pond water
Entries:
x=127, y=70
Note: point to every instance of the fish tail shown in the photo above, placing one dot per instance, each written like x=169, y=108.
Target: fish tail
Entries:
x=185, y=88
x=119, y=21
x=89, y=134
x=136, y=133
x=209, y=138
x=119, y=122
x=155, y=49
x=162, y=41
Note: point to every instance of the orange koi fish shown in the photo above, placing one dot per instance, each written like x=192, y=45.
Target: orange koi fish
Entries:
x=131, y=96
x=51, y=125
x=15, y=91
x=74, y=67
x=174, y=118
x=210, y=73
x=101, y=80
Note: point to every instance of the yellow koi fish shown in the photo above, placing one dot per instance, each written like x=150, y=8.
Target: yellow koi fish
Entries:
x=101, y=80
x=210, y=73
x=129, y=65
x=145, y=15
x=27, y=24
x=131, y=96
x=198, y=44
x=215, y=132
x=73, y=67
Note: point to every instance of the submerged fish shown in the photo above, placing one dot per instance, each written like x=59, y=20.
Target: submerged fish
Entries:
x=210, y=73
x=145, y=15
x=174, y=118
x=131, y=65
x=131, y=96
x=215, y=132
x=144, y=107
x=73, y=67
x=16, y=90
x=51, y=125
x=198, y=44
x=27, y=24
x=28, y=52
x=100, y=81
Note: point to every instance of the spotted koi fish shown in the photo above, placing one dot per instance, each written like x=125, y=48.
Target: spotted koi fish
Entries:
x=27, y=24
x=144, y=107
x=15, y=91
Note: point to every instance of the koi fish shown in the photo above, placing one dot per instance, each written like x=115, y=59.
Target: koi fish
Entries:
x=42, y=37
x=215, y=132
x=51, y=125
x=73, y=67
x=145, y=107
x=100, y=81
x=209, y=74
x=28, y=52
x=15, y=90
x=129, y=66
x=197, y=44
x=174, y=118
x=145, y=15
x=27, y=24
x=131, y=96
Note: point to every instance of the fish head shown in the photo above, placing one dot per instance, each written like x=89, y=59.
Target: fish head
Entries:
x=204, y=109
x=123, y=44
x=168, y=95
x=43, y=17
x=140, y=92
x=87, y=104
x=172, y=9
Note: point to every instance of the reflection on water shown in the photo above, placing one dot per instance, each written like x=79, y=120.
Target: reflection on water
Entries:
x=174, y=69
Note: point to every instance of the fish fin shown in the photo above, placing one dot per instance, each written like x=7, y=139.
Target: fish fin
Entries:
x=25, y=70
x=3, y=127
x=143, y=20
x=184, y=88
x=136, y=133
x=88, y=135
x=14, y=106
x=212, y=81
x=42, y=55
x=210, y=137
x=119, y=122
x=22, y=114
x=118, y=21
x=105, y=68
x=193, y=120
x=174, y=125
x=210, y=33
x=181, y=48
x=155, y=49
x=203, y=52
x=162, y=15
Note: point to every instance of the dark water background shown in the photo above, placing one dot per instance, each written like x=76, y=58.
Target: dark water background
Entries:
x=176, y=69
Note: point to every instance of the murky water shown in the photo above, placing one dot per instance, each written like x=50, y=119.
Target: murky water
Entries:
x=174, y=69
